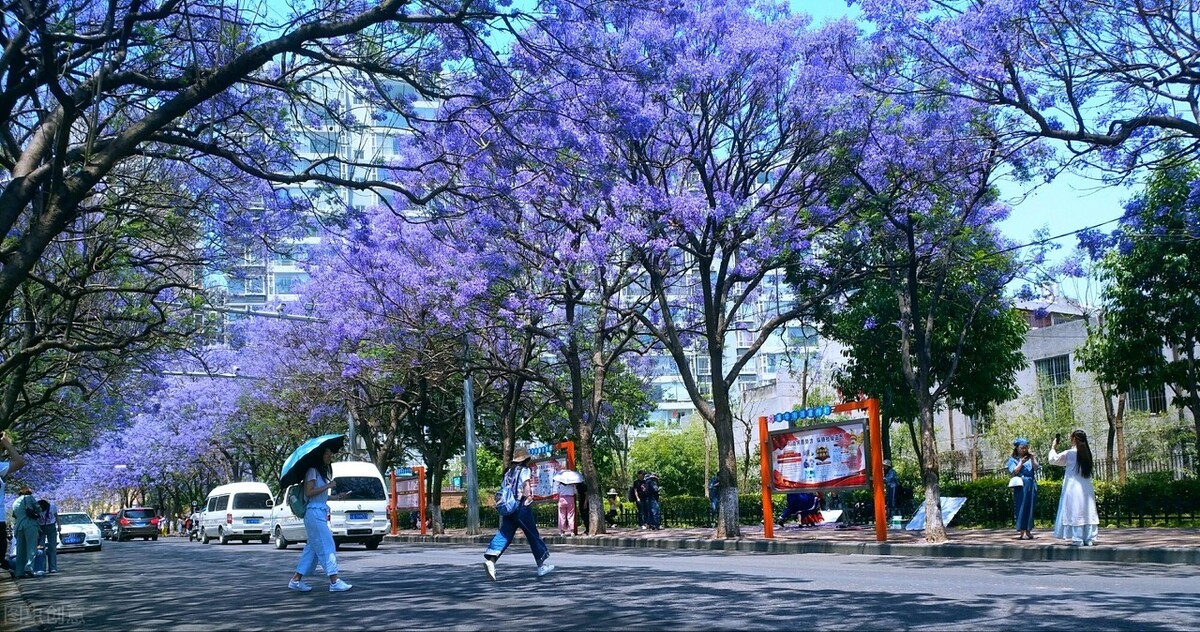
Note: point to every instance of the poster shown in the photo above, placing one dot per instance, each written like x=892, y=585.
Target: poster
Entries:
x=407, y=493
x=831, y=456
x=545, y=488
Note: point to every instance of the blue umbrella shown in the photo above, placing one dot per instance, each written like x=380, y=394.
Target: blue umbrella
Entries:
x=307, y=456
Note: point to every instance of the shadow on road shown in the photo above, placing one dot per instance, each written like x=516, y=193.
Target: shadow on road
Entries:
x=156, y=587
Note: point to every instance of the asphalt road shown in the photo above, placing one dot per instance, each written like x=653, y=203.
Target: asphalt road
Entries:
x=175, y=585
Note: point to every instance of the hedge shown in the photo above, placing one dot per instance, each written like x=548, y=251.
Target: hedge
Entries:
x=1151, y=500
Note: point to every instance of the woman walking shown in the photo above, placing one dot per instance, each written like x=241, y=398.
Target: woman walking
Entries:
x=1077, y=519
x=518, y=476
x=319, y=547
x=1022, y=464
x=25, y=531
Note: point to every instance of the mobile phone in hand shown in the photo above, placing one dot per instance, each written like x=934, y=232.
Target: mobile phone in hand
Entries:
x=1057, y=437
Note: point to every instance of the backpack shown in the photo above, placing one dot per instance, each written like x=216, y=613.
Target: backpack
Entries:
x=507, y=502
x=632, y=495
x=296, y=500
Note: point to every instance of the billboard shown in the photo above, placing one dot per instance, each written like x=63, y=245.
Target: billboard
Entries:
x=408, y=493
x=827, y=457
x=545, y=488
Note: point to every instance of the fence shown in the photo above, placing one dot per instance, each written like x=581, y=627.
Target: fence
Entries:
x=1179, y=465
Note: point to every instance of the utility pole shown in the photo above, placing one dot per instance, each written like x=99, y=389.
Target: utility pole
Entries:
x=472, y=480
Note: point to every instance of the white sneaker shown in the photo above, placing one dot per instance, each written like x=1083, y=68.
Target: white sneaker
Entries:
x=545, y=569
x=298, y=584
x=38, y=573
x=339, y=586
x=490, y=567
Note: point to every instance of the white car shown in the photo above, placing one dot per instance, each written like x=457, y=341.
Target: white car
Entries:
x=77, y=532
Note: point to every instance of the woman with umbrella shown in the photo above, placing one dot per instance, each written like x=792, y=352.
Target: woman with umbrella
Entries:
x=567, y=481
x=313, y=461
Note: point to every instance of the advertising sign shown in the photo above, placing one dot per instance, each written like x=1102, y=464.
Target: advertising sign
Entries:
x=545, y=488
x=408, y=493
x=827, y=457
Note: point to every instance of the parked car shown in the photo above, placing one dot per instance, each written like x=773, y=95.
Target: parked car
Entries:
x=77, y=532
x=360, y=518
x=136, y=522
x=237, y=511
x=107, y=523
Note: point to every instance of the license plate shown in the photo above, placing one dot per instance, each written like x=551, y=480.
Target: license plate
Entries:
x=253, y=521
x=73, y=538
x=141, y=524
x=357, y=516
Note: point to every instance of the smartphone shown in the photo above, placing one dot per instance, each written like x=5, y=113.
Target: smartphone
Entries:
x=1058, y=437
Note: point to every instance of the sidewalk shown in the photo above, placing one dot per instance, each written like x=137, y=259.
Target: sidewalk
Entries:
x=16, y=615
x=1129, y=546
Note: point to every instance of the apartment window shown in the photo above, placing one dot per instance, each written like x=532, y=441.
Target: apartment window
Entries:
x=1054, y=387
x=1148, y=400
x=286, y=282
x=323, y=144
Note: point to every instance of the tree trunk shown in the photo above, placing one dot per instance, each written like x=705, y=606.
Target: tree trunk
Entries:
x=434, y=506
x=591, y=477
x=727, y=520
x=935, y=531
x=912, y=433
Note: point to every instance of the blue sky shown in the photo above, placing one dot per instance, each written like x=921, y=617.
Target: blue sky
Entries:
x=1069, y=203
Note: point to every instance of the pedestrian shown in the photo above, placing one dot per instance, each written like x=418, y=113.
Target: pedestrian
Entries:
x=319, y=547
x=566, y=509
x=1023, y=466
x=614, y=508
x=653, y=507
x=15, y=462
x=804, y=505
x=25, y=514
x=518, y=476
x=48, y=533
x=714, y=499
x=179, y=531
x=1077, y=519
x=637, y=493
x=891, y=480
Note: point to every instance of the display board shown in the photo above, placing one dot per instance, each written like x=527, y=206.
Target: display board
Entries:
x=408, y=493
x=545, y=488
x=817, y=458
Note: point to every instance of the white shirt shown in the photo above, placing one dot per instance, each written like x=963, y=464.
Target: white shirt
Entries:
x=566, y=489
x=320, y=481
x=4, y=465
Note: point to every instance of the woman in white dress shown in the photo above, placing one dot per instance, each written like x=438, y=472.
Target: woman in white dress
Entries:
x=1077, y=519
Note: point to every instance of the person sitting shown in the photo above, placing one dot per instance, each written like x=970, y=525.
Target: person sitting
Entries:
x=806, y=506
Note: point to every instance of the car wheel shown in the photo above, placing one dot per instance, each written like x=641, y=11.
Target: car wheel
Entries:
x=264, y=539
x=155, y=538
x=337, y=546
x=147, y=538
x=222, y=536
x=203, y=537
x=372, y=544
x=280, y=541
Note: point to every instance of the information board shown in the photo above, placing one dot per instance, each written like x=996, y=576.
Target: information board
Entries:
x=815, y=458
x=408, y=493
x=545, y=488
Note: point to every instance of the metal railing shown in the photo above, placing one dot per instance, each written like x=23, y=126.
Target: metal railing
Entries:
x=1179, y=465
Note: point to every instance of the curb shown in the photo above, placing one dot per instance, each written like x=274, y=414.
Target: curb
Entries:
x=19, y=614
x=1123, y=555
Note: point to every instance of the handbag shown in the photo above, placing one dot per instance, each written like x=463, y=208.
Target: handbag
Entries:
x=1016, y=481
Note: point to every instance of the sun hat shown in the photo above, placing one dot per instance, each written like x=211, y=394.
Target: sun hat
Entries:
x=521, y=455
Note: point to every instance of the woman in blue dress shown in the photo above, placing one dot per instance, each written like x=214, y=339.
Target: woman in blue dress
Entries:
x=1023, y=464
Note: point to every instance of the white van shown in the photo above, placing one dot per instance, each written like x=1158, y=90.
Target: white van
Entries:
x=237, y=511
x=361, y=517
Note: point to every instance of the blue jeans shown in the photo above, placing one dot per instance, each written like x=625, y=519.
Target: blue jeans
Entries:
x=319, y=547
x=26, y=536
x=49, y=540
x=654, y=514
x=523, y=518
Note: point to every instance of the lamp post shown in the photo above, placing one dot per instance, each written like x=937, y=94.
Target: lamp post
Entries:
x=472, y=480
